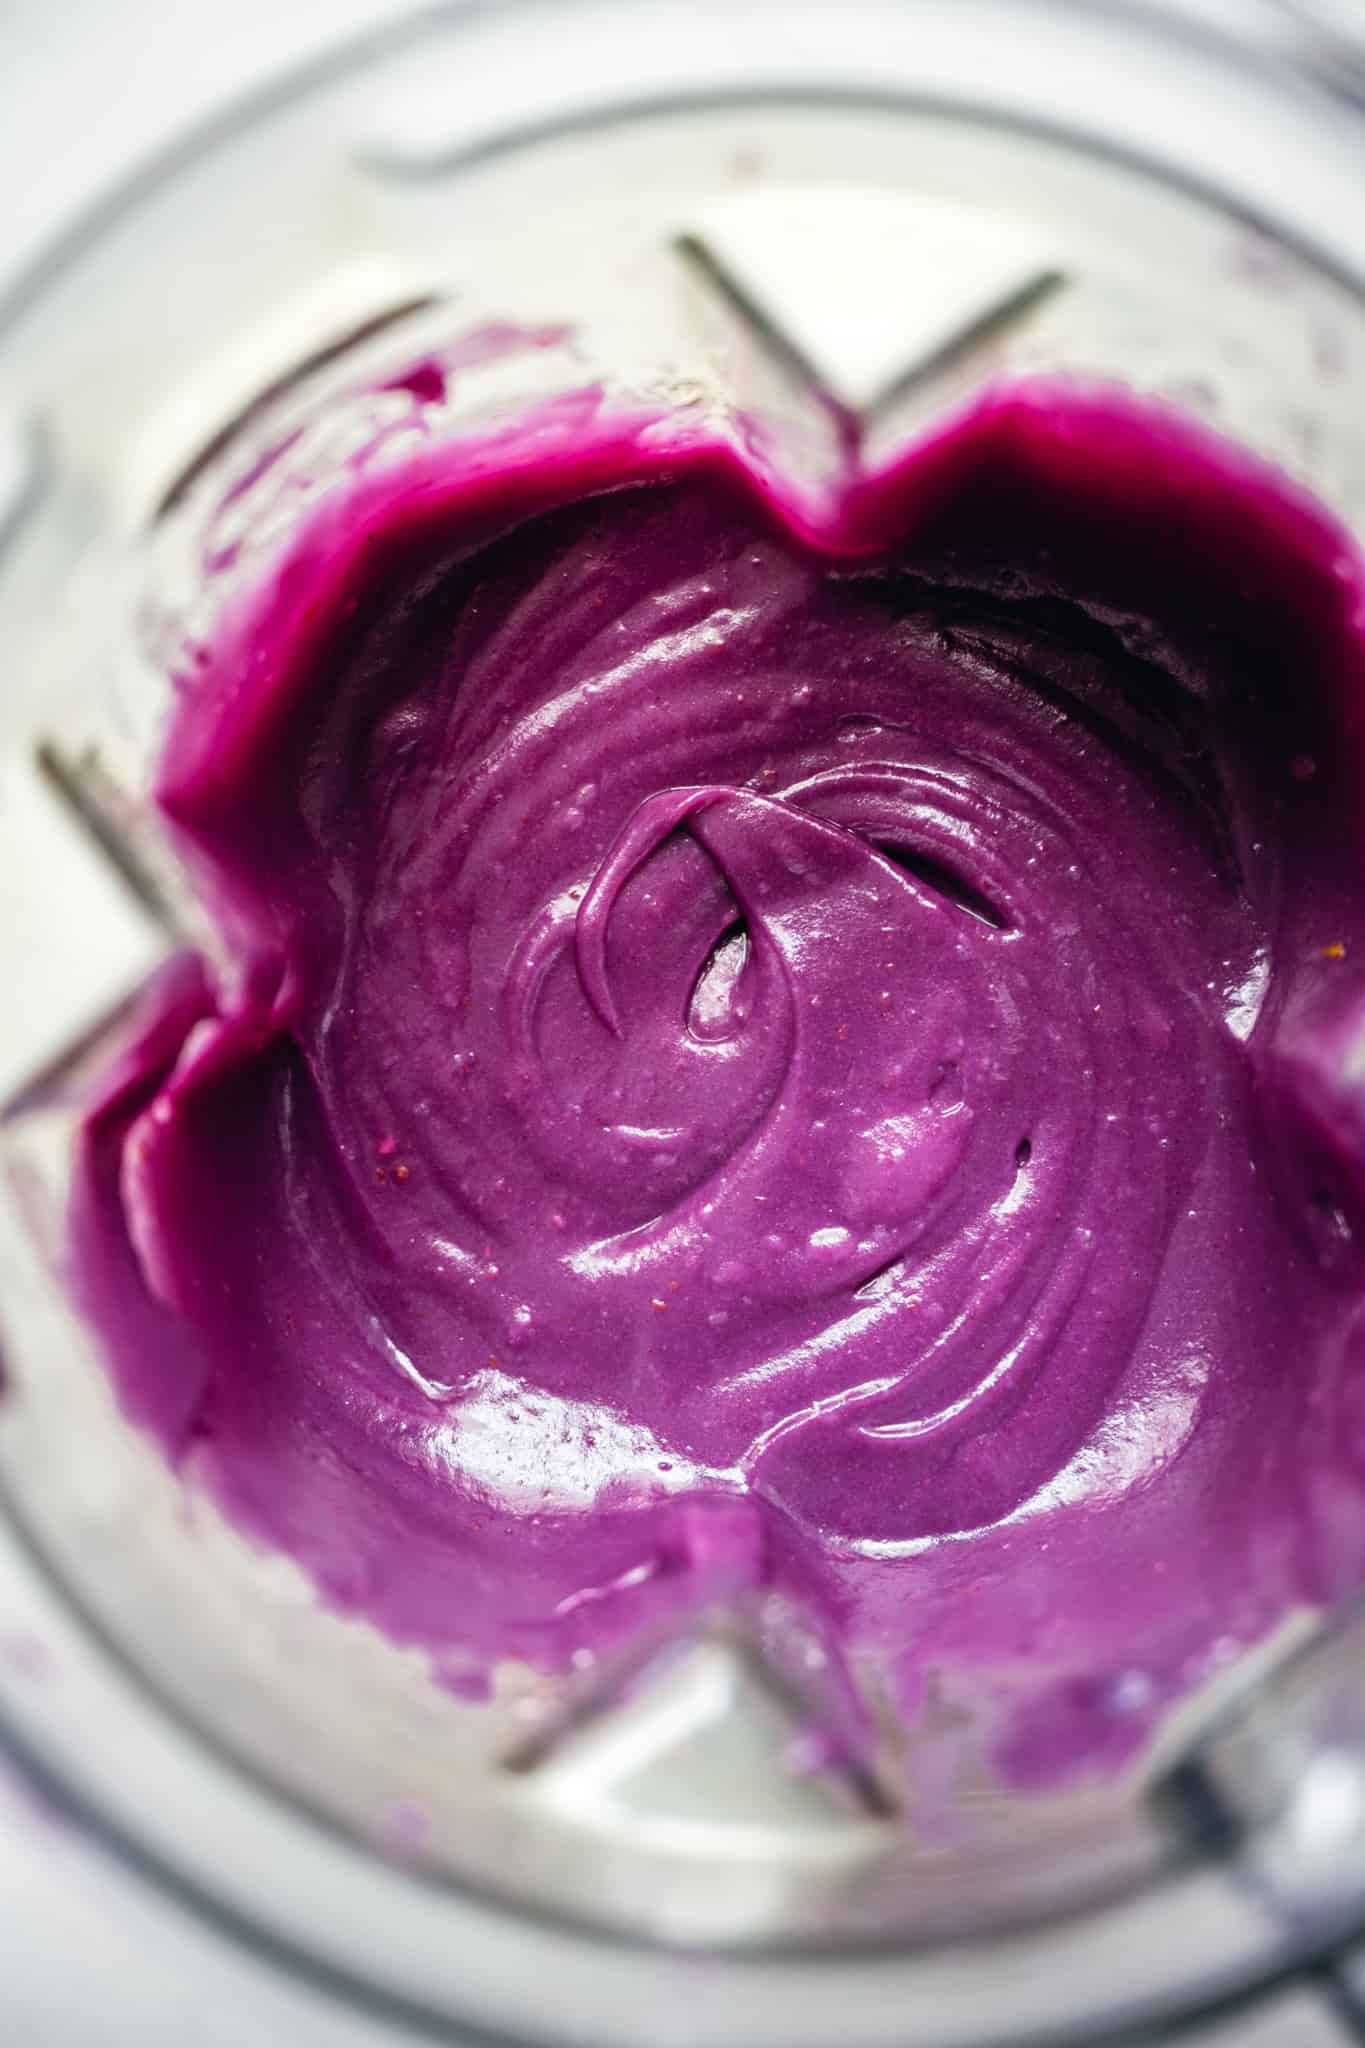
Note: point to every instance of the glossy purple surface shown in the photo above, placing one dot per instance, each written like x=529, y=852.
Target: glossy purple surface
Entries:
x=757, y=1051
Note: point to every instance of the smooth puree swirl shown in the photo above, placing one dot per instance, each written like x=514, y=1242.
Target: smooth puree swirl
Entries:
x=716, y=1029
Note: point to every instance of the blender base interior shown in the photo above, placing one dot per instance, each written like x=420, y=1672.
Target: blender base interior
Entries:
x=625, y=1857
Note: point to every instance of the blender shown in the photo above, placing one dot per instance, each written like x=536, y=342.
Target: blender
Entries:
x=726, y=217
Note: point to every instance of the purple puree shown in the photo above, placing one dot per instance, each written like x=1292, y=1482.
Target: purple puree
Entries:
x=769, y=1051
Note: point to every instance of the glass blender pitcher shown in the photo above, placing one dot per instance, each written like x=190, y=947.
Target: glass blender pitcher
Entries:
x=688, y=210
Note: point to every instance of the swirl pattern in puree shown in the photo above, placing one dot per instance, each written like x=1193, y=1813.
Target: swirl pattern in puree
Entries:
x=741, y=1059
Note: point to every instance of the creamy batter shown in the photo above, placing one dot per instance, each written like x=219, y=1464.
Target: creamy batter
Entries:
x=749, y=1052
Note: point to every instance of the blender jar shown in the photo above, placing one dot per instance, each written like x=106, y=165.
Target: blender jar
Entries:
x=721, y=219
